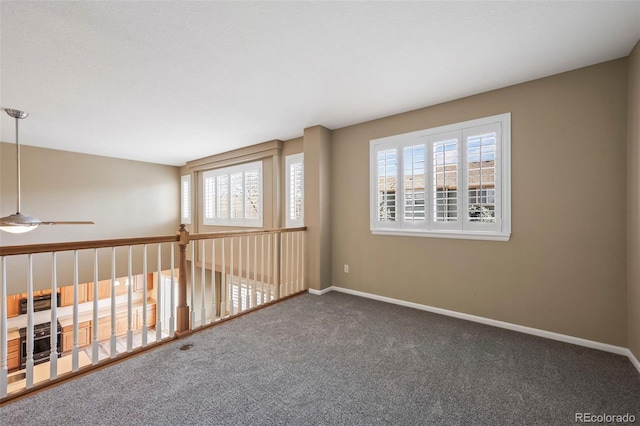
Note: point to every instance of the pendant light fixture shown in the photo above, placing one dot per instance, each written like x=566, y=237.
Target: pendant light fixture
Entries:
x=19, y=223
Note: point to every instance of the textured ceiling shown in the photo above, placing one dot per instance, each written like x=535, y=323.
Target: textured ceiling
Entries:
x=169, y=82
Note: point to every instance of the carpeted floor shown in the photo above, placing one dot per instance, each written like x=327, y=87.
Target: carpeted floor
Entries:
x=343, y=360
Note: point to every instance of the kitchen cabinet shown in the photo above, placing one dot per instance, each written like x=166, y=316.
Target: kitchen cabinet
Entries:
x=13, y=305
x=84, y=336
x=104, y=290
x=104, y=328
x=13, y=354
x=66, y=294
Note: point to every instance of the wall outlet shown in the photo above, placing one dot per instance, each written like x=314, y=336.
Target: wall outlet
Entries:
x=346, y=269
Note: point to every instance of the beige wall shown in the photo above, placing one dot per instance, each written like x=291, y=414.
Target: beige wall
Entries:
x=633, y=202
x=564, y=268
x=124, y=198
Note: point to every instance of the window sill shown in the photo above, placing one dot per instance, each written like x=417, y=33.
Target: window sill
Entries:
x=469, y=235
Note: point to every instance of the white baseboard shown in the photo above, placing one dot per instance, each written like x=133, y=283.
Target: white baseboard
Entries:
x=320, y=292
x=619, y=350
x=634, y=360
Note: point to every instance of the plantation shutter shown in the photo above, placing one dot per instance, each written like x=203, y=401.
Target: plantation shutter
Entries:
x=294, y=190
x=185, y=199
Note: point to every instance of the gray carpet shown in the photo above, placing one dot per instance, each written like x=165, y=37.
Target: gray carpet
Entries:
x=342, y=360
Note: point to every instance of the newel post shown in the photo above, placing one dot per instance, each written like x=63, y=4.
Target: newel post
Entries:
x=182, y=310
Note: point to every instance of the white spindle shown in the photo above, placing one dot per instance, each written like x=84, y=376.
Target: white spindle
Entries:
x=255, y=271
x=130, y=304
x=30, y=324
x=193, y=285
x=4, y=370
x=269, y=269
x=240, y=309
x=284, y=270
x=291, y=262
x=145, y=281
x=281, y=270
x=223, y=283
x=53, y=359
x=172, y=296
x=159, y=299
x=75, y=354
x=203, y=278
x=231, y=304
x=114, y=348
x=95, y=346
x=297, y=261
x=262, y=269
x=213, y=281
x=247, y=300
x=304, y=284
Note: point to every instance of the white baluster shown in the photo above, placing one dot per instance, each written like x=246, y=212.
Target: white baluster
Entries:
x=291, y=261
x=247, y=300
x=4, y=369
x=75, y=354
x=281, y=271
x=193, y=284
x=304, y=284
x=240, y=308
x=267, y=298
x=262, y=269
x=254, y=284
x=130, y=304
x=231, y=304
x=214, y=311
x=223, y=283
x=114, y=349
x=172, y=296
x=30, y=324
x=95, y=346
x=145, y=281
x=298, y=261
x=202, y=285
x=53, y=358
x=159, y=290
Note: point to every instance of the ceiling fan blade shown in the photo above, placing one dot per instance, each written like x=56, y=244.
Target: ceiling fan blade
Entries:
x=72, y=222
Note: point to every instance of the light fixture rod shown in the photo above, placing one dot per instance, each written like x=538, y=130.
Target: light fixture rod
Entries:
x=18, y=168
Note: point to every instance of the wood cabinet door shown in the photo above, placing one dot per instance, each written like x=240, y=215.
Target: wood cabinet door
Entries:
x=13, y=354
x=122, y=324
x=84, y=334
x=67, y=339
x=13, y=305
x=104, y=328
x=104, y=290
x=66, y=294
x=151, y=315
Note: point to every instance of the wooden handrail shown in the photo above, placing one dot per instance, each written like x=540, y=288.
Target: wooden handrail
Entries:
x=94, y=244
x=226, y=234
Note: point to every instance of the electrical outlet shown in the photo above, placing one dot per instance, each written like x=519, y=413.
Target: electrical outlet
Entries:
x=346, y=269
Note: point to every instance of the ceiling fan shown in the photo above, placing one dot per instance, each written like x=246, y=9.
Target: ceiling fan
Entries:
x=19, y=223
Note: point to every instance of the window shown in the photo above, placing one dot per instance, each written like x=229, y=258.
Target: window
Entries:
x=450, y=182
x=232, y=196
x=185, y=199
x=294, y=188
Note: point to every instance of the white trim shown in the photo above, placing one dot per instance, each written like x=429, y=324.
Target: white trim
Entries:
x=633, y=360
x=619, y=350
x=320, y=292
x=463, y=235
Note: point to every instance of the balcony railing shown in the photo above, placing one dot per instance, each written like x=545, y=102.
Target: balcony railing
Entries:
x=113, y=298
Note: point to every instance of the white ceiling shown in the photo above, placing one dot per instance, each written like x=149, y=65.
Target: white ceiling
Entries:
x=169, y=82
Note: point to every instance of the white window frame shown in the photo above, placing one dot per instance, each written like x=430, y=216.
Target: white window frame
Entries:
x=463, y=228
x=213, y=219
x=291, y=160
x=185, y=199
